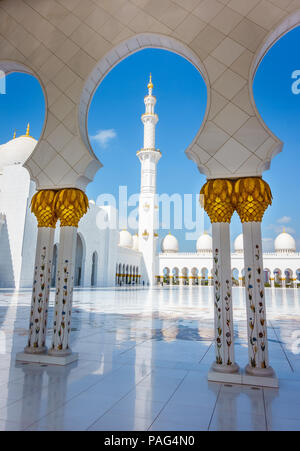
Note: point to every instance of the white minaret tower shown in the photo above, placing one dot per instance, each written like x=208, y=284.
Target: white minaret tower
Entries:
x=148, y=209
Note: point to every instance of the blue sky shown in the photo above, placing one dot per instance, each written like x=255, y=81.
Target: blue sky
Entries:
x=116, y=130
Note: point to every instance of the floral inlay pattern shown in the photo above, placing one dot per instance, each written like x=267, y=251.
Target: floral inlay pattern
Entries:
x=218, y=309
x=257, y=314
x=63, y=308
x=40, y=299
x=222, y=315
x=228, y=333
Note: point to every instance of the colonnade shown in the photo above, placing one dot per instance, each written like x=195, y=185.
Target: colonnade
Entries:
x=279, y=278
x=185, y=276
x=127, y=275
x=49, y=206
x=250, y=197
x=283, y=279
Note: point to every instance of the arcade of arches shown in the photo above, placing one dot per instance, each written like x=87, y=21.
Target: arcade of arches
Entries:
x=232, y=148
x=127, y=275
x=202, y=276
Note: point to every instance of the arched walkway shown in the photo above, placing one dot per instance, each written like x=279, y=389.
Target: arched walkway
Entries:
x=235, y=276
x=222, y=148
x=166, y=278
x=94, y=269
x=79, y=261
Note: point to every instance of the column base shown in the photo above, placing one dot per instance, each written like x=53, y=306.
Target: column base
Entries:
x=225, y=374
x=243, y=377
x=225, y=369
x=62, y=353
x=47, y=359
x=35, y=351
x=265, y=377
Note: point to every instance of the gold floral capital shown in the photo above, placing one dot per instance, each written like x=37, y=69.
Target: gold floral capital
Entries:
x=216, y=198
x=252, y=196
x=70, y=205
x=42, y=205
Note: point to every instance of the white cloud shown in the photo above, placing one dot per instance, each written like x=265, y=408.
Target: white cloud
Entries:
x=279, y=229
x=104, y=136
x=284, y=220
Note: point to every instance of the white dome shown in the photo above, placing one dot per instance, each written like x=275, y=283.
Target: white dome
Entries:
x=125, y=239
x=16, y=151
x=135, y=241
x=285, y=243
x=169, y=244
x=239, y=243
x=204, y=243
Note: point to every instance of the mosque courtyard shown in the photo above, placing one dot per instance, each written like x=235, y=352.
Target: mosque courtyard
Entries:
x=144, y=355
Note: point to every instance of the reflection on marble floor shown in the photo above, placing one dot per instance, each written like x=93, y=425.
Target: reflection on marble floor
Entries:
x=144, y=356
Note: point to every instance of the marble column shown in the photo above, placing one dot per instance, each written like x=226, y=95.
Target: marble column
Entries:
x=224, y=332
x=70, y=206
x=253, y=196
x=283, y=282
x=64, y=291
x=216, y=198
x=42, y=205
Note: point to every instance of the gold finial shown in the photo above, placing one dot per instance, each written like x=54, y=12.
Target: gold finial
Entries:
x=284, y=230
x=150, y=84
x=28, y=129
x=14, y=134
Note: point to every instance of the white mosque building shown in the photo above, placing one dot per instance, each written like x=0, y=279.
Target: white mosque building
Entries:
x=108, y=257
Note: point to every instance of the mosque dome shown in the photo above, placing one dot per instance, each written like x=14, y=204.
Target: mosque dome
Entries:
x=125, y=239
x=135, y=241
x=169, y=244
x=284, y=242
x=17, y=150
x=239, y=243
x=204, y=243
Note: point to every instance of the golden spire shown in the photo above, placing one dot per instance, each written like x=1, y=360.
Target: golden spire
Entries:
x=14, y=134
x=284, y=230
x=28, y=129
x=150, y=84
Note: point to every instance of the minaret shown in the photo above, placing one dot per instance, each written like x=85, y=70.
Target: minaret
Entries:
x=148, y=209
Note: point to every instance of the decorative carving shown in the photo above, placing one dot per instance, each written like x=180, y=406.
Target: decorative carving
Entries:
x=222, y=315
x=42, y=205
x=216, y=198
x=257, y=314
x=70, y=205
x=39, y=306
x=218, y=309
x=252, y=196
x=63, y=307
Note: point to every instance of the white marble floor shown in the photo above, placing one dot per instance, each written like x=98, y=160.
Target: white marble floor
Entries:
x=144, y=356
